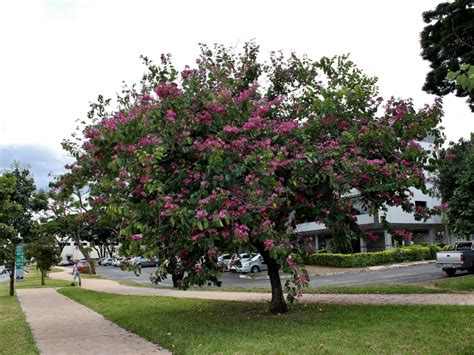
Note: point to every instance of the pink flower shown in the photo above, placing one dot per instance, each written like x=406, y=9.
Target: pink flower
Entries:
x=268, y=244
x=197, y=236
x=246, y=94
x=291, y=263
x=241, y=231
x=404, y=234
x=212, y=251
x=372, y=236
x=204, y=117
x=302, y=278
x=167, y=90
x=442, y=207
x=253, y=123
x=201, y=214
x=99, y=199
x=223, y=214
x=286, y=126
x=136, y=237
x=171, y=116
x=231, y=129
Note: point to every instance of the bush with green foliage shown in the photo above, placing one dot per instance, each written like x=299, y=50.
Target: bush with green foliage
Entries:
x=411, y=253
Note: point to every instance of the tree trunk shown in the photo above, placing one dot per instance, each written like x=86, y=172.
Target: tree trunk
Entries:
x=177, y=278
x=42, y=277
x=12, y=282
x=86, y=255
x=12, y=270
x=278, y=303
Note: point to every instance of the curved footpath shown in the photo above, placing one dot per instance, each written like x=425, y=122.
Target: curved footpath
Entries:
x=62, y=326
x=110, y=286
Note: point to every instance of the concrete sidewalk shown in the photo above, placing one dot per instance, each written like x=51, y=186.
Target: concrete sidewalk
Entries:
x=110, y=286
x=62, y=326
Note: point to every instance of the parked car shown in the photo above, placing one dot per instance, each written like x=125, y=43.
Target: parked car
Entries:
x=117, y=262
x=143, y=262
x=234, y=262
x=224, y=260
x=107, y=262
x=459, y=256
x=254, y=264
x=66, y=263
x=99, y=261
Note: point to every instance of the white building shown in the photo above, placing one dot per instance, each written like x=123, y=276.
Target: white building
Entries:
x=430, y=231
x=71, y=252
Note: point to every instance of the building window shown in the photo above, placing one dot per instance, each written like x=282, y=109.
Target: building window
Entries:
x=420, y=204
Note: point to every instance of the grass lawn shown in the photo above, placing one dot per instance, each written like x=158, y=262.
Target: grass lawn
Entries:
x=379, y=289
x=188, y=326
x=33, y=280
x=464, y=283
x=15, y=334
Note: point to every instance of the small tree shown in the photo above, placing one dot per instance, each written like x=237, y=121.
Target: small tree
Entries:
x=46, y=253
x=68, y=211
x=8, y=235
x=18, y=203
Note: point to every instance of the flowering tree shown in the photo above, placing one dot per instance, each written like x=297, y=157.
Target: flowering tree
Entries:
x=231, y=154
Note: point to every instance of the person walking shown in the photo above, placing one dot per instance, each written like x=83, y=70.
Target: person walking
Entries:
x=76, y=273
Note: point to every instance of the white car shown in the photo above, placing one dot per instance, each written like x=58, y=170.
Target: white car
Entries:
x=233, y=262
x=254, y=264
x=107, y=261
x=117, y=262
x=224, y=261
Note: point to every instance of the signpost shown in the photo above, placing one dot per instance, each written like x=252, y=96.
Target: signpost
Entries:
x=19, y=262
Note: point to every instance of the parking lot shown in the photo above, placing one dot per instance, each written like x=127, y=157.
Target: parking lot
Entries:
x=406, y=275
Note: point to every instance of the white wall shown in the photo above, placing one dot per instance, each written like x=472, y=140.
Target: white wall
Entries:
x=70, y=251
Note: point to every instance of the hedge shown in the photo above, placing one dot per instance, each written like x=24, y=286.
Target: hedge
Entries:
x=411, y=253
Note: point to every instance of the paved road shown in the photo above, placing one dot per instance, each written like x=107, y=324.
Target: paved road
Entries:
x=407, y=275
x=3, y=277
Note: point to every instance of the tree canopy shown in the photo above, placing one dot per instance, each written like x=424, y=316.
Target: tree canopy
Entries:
x=456, y=184
x=46, y=253
x=229, y=155
x=447, y=42
x=18, y=203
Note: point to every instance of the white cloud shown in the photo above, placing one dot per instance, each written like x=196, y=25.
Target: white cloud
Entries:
x=57, y=56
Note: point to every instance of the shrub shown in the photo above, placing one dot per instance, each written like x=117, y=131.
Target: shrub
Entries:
x=411, y=253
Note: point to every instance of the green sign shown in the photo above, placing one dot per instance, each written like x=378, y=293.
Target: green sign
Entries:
x=19, y=261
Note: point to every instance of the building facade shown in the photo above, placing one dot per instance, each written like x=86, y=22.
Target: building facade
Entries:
x=421, y=232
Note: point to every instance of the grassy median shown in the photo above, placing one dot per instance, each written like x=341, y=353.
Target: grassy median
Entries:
x=189, y=326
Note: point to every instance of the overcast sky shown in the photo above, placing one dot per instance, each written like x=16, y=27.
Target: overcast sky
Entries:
x=57, y=56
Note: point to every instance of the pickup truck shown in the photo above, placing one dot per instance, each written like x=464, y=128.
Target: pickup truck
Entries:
x=459, y=256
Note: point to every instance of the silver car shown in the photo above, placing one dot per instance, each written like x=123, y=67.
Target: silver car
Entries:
x=224, y=260
x=234, y=261
x=143, y=262
x=107, y=261
x=254, y=264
